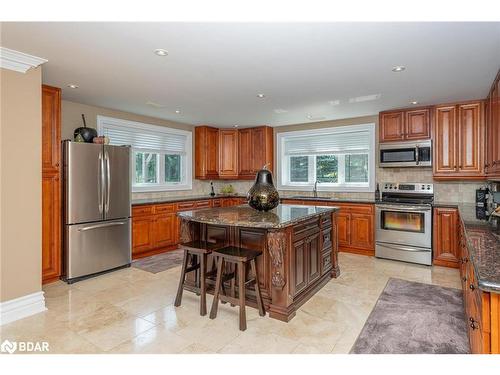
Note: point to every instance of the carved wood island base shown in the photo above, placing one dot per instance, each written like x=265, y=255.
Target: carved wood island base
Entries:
x=298, y=243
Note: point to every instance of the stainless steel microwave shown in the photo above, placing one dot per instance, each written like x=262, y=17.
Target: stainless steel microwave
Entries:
x=406, y=154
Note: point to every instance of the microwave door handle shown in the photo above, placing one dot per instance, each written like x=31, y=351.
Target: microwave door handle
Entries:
x=417, y=156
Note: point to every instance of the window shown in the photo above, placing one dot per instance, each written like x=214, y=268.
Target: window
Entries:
x=161, y=156
x=338, y=159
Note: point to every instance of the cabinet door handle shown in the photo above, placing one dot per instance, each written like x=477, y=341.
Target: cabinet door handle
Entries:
x=471, y=287
x=464, y=279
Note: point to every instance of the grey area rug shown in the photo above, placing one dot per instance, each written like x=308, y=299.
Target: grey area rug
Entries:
x=415, y=318
x=160, y=262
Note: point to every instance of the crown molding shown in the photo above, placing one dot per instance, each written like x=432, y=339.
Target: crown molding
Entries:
x=18, y=61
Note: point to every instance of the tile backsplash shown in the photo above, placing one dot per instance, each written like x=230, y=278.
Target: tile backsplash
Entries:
x=444, y=191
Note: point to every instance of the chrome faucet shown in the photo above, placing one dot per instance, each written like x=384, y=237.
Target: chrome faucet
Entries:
x=315, y=189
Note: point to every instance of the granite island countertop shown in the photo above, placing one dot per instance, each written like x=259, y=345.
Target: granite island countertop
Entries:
x=483, y=245
x=244, y=216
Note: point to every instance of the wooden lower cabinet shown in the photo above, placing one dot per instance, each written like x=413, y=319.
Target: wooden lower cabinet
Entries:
x=445, y=238
x=482, y=309
x=156, y=227
x=344, y=229
x=153, y=229
x=51, y=225
x=355, y=225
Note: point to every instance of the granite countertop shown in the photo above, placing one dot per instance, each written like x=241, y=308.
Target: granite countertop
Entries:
x=244, y=216
x=180, y=198
x=483, y=245
x=158, y=200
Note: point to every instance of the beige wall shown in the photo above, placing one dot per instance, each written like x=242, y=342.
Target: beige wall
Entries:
x=71, y=118
x=20, y=177
x=445, y=192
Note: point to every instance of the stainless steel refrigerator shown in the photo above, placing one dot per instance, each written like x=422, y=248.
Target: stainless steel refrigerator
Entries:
x=96, y=190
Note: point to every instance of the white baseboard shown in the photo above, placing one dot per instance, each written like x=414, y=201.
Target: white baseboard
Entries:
x=21, y=307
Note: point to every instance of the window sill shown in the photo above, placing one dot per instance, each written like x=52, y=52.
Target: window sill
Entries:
x=337, y=189
x=149, y=189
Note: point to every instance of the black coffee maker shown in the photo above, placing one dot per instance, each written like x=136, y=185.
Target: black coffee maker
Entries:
x=482, y=203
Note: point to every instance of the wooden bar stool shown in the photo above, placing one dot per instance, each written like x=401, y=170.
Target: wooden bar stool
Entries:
x=195, y=258
x=240, y=258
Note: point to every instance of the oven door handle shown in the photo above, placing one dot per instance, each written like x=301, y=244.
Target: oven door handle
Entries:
x=403, y=208
x=404, y=248
x=417, y=152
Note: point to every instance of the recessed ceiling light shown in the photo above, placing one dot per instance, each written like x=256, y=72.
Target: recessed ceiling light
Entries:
x=317, y=118
x=261, y=96
x=155, y=105
x=398, y=68
x=161, y=52
x=72, y=86
x=177, y=111
x=236, y=126
x=280, y=110
x=334, y=102
x=414, y=102
x=365, y=98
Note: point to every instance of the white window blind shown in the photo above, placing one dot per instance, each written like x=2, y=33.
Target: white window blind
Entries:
x=146, y=139
x=318, y=144
x=161, y=157
x=333, y=159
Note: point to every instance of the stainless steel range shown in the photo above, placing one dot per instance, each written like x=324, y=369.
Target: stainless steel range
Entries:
x=404, y=222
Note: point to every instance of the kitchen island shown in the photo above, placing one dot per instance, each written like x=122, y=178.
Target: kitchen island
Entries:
x=298, y=244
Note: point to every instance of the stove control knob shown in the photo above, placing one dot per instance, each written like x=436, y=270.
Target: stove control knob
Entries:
x=428, y=187
x=423, y=187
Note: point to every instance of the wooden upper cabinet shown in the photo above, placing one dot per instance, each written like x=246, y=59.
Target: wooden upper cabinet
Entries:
x=51, y=183
x=391, y=126
x=459, y=146
x=417, y=124
x=471, y=134
x=228, y=156
x=493, y=130
x=445, y=129
x=232, y=153
x=405, y=125
x=206, y=152
x=245, y=152
x=446, y=249
x=255, y=151
x=51, y=127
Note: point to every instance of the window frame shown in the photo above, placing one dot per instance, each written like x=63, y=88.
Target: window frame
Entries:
x=186, y=159
x=282, y=162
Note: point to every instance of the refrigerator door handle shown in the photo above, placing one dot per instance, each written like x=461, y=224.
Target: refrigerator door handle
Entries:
x=108, y=182
x=97, y=226
x=100, y=182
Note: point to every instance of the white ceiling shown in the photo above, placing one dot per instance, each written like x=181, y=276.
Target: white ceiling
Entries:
x=214, y=71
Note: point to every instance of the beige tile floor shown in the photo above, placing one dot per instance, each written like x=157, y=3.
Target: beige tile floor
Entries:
x=131, y=311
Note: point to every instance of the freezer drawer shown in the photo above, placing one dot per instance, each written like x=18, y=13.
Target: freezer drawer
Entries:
x=96, y=247
x=410, y=254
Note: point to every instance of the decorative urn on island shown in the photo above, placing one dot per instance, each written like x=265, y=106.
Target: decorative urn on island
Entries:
x=263, y=196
